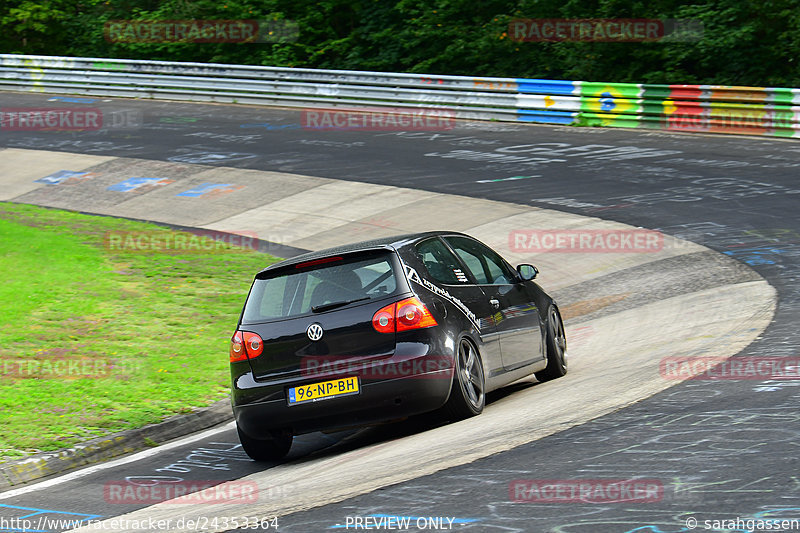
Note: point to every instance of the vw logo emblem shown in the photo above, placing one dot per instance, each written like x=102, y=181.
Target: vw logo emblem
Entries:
x=314, y=332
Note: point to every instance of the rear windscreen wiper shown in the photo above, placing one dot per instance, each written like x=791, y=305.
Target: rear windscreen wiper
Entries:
x=334, y=305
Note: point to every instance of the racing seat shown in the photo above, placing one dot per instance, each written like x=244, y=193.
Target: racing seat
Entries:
x=344, y=285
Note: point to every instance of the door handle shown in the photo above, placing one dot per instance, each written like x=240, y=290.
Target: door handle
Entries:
x=495, y=303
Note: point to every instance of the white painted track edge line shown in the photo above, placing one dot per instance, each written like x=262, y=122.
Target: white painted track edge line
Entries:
x=114, y=463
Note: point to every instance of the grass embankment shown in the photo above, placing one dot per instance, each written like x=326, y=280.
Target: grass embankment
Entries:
x=95, y=339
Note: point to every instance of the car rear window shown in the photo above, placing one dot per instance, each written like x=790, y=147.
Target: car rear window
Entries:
x=294, y=292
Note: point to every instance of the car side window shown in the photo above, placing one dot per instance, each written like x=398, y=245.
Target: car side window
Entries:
x=440, y=262
x=484, y=264
x=474, y=265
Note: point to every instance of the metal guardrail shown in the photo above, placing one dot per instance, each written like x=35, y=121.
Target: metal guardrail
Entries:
x=700, y=108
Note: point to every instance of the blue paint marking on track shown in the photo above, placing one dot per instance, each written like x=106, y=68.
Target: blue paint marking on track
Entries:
x=760, y=255
x=655, y=529
x=22, y=519
x=134, y=183
x=61, y=176
x=72, y=100
x=205, y=188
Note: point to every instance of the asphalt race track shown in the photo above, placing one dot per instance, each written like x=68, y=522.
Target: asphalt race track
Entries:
x=719, y=449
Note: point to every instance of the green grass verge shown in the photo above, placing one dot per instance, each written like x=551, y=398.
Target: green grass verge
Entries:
x=96, y=339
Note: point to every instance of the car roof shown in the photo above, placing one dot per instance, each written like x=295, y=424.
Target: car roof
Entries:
x=387, y=243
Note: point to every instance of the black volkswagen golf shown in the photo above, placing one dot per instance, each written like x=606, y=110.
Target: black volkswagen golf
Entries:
x=384, y=329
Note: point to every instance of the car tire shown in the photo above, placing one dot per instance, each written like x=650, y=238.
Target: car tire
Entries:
x=556, y=347
x=272, y=449
x=467, y=393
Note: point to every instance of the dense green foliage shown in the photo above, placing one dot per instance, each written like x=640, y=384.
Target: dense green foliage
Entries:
x=746, y=42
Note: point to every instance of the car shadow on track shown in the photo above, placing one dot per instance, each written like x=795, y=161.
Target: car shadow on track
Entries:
x=352, y=439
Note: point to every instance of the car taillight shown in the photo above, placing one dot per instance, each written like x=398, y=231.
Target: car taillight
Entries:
x=237, y=348
x=412, y=314
x=383, y=319
x=402, y=316
x=245, y=344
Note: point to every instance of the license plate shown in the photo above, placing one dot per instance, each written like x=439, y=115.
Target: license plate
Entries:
x=323, y=390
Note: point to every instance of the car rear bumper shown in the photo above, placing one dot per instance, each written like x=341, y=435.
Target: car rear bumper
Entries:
x=377, y=401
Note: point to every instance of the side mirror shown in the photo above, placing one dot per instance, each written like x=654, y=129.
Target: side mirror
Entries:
x=527, y=272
